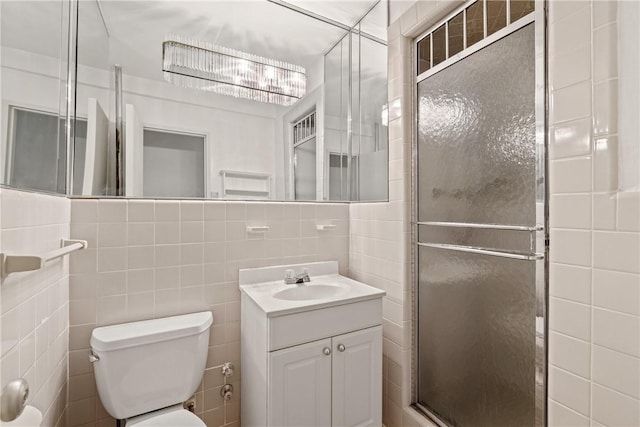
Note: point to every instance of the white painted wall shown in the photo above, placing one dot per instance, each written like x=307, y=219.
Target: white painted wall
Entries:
x=398, y=7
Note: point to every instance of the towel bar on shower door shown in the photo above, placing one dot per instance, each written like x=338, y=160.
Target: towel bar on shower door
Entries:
x=535, y=228
x=483, y=251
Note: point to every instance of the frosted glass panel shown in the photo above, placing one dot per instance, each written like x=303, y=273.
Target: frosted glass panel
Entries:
x=496, y=15
x=456, y=31
x=38, y=153
x=439, y=45
x=483, y=133
x=476, y=338
x=520, y=8
x=475, y=23
x=424, y=54
x=476, y=164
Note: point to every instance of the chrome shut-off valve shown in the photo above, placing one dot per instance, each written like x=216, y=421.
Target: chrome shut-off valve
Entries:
x=226, y=391
x=227, y=369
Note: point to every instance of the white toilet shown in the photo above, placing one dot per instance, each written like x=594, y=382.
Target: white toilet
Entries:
x=146, y=370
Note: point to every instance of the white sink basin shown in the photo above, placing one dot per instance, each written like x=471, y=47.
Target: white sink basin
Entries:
x=307, y=292
x=327, y=288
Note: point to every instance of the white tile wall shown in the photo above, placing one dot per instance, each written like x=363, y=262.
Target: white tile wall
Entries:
x=379, y=232
x=594, y=318
x=34, y=314
x=158, y=258
x=379, y=241
x=595, y=239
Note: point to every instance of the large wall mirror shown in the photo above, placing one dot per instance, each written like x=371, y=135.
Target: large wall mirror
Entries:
x=33, y=38
x=253, y=100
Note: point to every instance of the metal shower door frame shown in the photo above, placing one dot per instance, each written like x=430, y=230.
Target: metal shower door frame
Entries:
x=540, y=244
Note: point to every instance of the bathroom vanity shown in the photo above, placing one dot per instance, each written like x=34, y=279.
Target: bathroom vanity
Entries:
x=311, y=352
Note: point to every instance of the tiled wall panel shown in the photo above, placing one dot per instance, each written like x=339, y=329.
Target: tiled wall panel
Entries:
x=595, y=244
x=35, y=305
x=152, y=259
x=595, y=241
x=380, y=251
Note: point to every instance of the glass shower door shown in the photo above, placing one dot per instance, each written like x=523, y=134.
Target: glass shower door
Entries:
x=477, y=231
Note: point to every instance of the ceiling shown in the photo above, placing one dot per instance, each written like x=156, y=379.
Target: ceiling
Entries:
x=33, y=26
x=350, y=12
x=138, y=28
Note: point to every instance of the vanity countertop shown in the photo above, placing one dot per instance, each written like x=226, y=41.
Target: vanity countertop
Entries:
x=275, y=298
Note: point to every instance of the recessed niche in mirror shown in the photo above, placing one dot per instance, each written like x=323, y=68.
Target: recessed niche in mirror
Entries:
x=229, y=72
x=33, y=151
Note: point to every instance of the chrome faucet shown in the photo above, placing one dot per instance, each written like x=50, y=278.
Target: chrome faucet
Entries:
x=291, y=278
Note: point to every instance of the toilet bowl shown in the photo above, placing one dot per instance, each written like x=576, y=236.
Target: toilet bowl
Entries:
x=145, y=370
x=174, y=416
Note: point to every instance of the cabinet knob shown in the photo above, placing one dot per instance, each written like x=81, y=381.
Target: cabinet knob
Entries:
x=326, y=351
x=341, y=347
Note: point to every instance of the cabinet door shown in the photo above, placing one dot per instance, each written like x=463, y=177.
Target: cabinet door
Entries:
x=300, y=385
x=357, y=378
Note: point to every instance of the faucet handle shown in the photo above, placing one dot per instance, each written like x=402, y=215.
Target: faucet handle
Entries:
x=289, y=277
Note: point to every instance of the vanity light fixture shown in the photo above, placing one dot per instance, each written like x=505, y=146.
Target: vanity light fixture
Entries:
x=205, y=66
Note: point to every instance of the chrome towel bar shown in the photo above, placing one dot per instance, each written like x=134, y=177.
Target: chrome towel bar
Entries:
x=535, y=228
x=483, y=251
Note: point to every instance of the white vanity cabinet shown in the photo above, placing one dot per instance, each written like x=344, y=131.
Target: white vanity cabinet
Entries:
x=310, y=362
x=331, y=382
x=356, y=374
x=299, y=385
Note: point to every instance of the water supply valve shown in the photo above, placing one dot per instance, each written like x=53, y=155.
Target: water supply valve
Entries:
x=227, y=369
x=226, y=391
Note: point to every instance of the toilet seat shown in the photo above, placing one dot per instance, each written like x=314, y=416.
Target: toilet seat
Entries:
x=173, y=416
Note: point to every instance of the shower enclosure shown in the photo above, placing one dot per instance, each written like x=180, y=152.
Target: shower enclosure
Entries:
x=479, y=221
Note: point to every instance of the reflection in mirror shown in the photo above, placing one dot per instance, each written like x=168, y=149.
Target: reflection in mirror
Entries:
x=33, y=151
x=183, y=137
x=35, y=137
x=370, y=137
x=175, y=164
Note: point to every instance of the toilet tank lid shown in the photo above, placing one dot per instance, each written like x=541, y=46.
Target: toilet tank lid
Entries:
x=132, y=334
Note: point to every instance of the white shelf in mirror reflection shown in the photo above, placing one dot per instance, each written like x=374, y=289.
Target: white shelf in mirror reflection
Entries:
x=247, y=185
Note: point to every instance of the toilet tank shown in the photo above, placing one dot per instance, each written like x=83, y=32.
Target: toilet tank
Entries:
x=148, y=365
